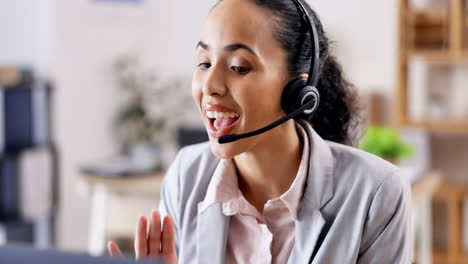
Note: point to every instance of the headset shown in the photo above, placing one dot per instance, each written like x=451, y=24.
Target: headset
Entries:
x=300, y=97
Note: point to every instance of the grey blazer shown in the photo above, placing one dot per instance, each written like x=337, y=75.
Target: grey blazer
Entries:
x=356, y=208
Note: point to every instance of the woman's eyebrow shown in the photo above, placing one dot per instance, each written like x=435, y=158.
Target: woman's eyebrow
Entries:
x=230, y=47
x=202, y=44
x=236, y=46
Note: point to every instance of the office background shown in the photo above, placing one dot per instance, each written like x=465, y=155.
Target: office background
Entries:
x=74, y=44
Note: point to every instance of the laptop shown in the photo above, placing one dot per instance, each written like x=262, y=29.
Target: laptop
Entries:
x=23, y=255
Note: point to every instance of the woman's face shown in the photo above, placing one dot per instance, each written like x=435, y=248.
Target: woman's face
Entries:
x=240, y=75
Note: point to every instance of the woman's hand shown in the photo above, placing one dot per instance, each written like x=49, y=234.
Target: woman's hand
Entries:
x=154, y=243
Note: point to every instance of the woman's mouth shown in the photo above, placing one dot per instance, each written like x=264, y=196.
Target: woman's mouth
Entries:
x=221, y=121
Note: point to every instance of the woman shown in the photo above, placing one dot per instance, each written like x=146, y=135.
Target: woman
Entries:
x=295, y=194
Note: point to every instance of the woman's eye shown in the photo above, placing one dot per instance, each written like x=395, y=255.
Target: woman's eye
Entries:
x=203, y=66
x=241, y=70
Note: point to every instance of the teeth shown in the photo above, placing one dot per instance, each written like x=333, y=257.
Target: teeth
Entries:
x=214, y=114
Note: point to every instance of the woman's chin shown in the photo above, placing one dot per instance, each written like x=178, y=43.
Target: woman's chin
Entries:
x=224, y=151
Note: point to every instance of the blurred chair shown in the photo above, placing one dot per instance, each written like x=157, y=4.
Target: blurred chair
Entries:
x=191, y=135
x=423, y=190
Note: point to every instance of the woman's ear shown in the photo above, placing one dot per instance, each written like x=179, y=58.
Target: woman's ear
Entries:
x=303, y=75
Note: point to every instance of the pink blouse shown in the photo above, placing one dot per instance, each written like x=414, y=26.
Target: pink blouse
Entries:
x=255, y=237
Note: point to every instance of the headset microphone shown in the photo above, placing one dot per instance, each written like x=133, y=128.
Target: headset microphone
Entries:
x=234, y=137
x=300, y=97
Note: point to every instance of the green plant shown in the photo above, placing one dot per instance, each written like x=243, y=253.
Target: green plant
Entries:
x=148, y=108
x=385, y=143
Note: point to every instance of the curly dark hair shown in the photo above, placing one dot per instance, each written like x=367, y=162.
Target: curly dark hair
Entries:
x=338, y=117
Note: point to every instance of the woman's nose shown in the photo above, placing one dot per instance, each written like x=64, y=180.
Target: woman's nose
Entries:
x=214, y=84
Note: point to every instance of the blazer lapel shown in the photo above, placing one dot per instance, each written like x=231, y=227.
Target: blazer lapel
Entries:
x=318, y=191
x=212, y=228
x=307, y=232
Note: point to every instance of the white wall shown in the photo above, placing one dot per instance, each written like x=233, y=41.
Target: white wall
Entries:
x=26, y=33
x=366, y=35
x=89, y=36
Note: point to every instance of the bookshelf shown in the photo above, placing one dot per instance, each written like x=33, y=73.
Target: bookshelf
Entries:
x=29, y=160
x=432, y=93
x=437, y=36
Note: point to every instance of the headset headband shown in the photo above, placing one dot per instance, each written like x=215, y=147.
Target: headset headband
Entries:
x=315, y=54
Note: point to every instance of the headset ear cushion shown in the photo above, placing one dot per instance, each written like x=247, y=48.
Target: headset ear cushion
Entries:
x=305, y=95
x=291, y=99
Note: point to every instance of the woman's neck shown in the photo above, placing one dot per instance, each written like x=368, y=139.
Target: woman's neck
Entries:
x=268, y=170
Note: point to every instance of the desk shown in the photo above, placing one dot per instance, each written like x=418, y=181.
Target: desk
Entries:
x=103, y=189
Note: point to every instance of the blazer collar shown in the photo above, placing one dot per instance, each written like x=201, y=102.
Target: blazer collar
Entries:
x=319, y=185
x=318, y=191
x=212, y=224
x=212, y=230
